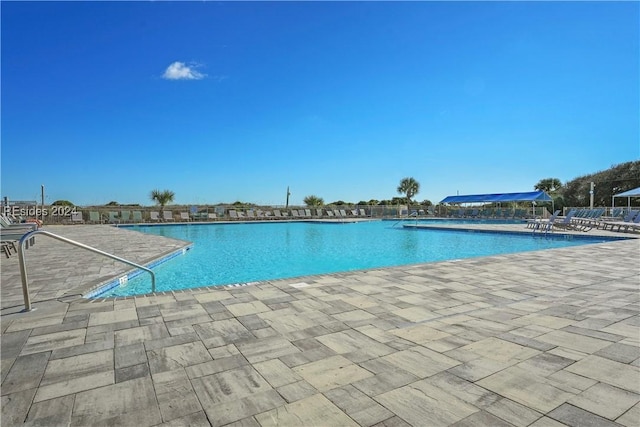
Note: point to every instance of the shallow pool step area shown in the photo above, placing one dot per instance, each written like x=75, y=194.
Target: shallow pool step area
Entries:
x=59, y=271
x=124, y=279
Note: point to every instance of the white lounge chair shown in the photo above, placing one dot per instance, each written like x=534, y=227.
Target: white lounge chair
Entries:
x=114, y=217
x=167, y=216
x=184, y=216
x=537, y=222
x=137, y=216
x=76, y=218
x=125, y=216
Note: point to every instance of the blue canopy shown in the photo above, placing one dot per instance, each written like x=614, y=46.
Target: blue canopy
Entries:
x=532, y=196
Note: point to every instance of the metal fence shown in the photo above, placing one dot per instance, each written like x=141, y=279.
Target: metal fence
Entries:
x=183, y=213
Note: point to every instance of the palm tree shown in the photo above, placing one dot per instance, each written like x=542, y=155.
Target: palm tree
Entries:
x=162, y=198
x=548, y=185
x=313, y=201
x=409, y=187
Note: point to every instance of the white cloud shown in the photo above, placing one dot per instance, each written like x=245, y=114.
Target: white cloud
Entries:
x=181, y=71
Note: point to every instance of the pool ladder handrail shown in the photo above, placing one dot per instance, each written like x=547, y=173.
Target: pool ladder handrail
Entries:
x=23, y=265
x=415, y=213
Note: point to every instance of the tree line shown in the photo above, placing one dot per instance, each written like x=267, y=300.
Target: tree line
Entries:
x=607, y=183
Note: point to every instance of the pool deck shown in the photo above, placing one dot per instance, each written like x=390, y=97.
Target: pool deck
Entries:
x=543, y=339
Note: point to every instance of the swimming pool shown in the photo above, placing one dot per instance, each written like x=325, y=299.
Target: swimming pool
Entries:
x=224, y=254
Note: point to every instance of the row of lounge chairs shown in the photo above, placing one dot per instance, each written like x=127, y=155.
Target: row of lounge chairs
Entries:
x=494, y=213
x=296, y=214
x=125, y=216
x=585, y=220
x=122, y=217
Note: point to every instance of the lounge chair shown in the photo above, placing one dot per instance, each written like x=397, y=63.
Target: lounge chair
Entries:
x=6, y=224
x=184, y=216
x=363, y=212
x=125, y=216
x=566, y=222
x=94, y=217
x=13, y=236
x=307, y=213
x=212, y=216
x=319, y=213
x=330, y=213
x=546, y=225
x=137, y=216
x=76, y=218
x=8, y=247
x=113, y=218
x=628, y=218
x=167, y=216
x=633, y=223
x=154, y=216
x=537, y=222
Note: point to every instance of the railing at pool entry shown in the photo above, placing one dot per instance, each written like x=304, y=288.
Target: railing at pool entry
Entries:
x=412, y=214
x=23, y=265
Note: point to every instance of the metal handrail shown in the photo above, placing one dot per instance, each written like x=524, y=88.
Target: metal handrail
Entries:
x=408, y=217
x=23, y=266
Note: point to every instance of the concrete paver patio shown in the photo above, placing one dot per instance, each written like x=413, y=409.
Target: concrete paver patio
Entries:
x=544, y=338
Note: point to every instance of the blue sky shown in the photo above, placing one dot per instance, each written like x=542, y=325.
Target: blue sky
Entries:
x=230, y=101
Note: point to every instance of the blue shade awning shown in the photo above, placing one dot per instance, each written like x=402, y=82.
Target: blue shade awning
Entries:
x=629, y=193
x=532, y=196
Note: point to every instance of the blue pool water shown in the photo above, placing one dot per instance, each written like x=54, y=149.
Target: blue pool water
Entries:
x=225, y=254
